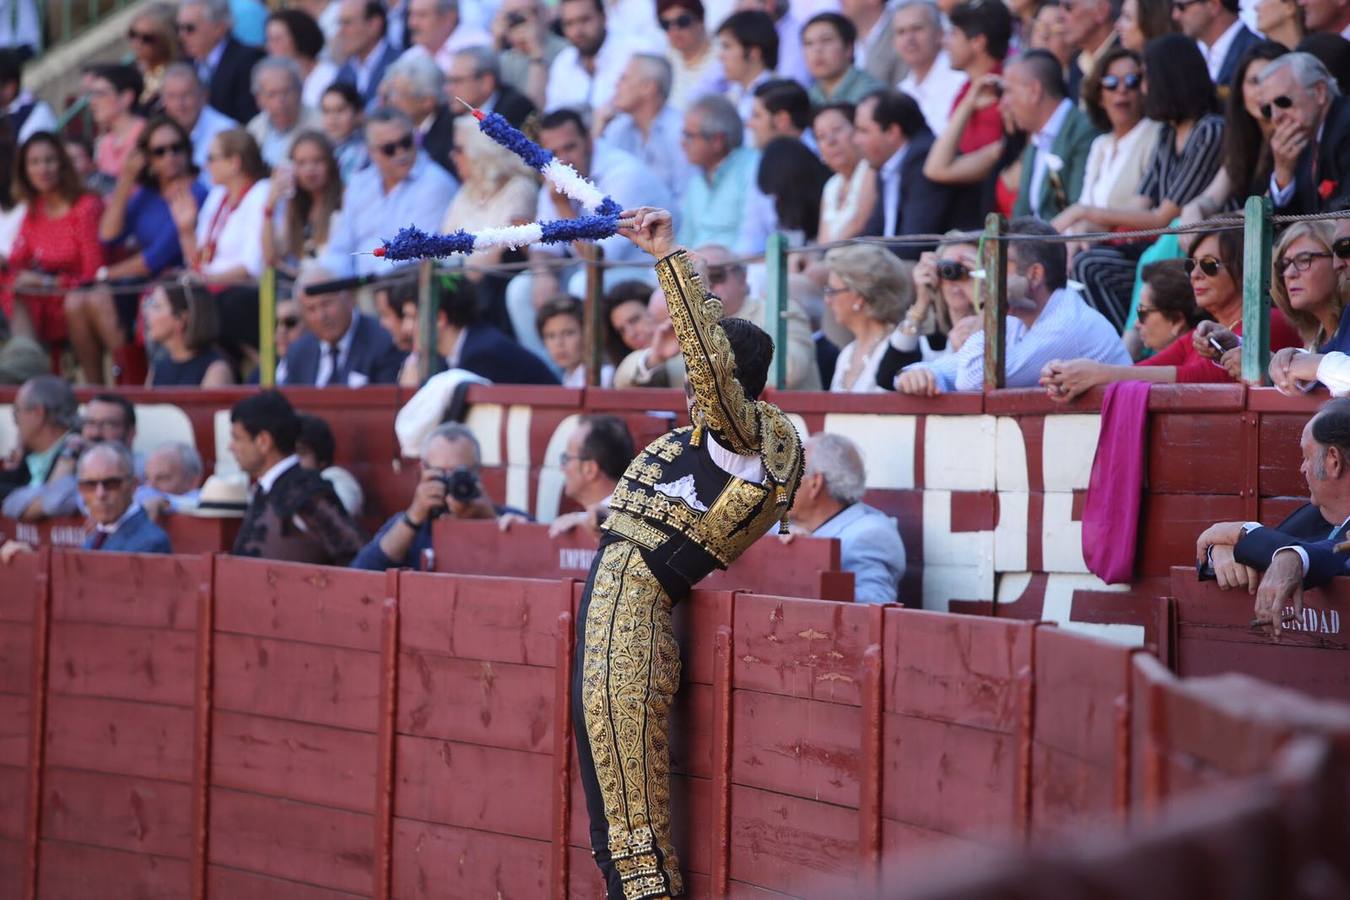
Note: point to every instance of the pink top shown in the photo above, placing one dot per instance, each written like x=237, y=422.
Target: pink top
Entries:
x=112, y=149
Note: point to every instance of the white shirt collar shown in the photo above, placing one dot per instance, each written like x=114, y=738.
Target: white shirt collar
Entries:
x=213, y=58
x=269, y=478
x=1050, y=130
x=345, y=342
x=891, y=167
x=747, y=468
x=452, y=360
x=23, y=99
x=122, y=520
x=1215, y=53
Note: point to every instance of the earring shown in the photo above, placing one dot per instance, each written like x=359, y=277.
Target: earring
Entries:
x=857, y=306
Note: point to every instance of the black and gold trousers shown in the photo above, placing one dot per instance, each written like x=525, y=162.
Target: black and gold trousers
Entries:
x=622, y=688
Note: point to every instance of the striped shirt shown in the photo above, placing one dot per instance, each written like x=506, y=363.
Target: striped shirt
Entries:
x=1182, y=178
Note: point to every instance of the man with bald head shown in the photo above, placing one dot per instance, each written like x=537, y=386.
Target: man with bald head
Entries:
x=341, y=347
x=107, y=484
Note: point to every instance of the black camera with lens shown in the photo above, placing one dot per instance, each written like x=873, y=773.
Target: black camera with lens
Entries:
x=515, y=18
x=948, y=270
x=461, y=484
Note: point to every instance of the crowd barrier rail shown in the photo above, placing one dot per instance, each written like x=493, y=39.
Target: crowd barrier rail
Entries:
x=211, y=726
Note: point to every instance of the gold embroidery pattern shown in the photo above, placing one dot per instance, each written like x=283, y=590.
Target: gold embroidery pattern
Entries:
x=737, y=518
x=630, y=672
x=636, y=530
x=657, y=507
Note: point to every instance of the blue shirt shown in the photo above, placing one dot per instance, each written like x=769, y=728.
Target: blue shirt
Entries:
x=712, y=211
x=250, y=22
x=659, y=152
x=148, y=220
x=369, y=215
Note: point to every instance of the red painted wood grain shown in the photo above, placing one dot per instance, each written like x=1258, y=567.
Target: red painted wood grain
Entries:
x=121, y=589
x=317, y=604
x=237, y=885
x=498, y=619
x=79, y=872
x=119, y=737
x=494, y=704
x=802, y=648
x=805, y=748
x=695, y=621
x=441, y=862
x=16, y=659
x=13, y=862
x=13, y=797
x=471, y=786
x=908, y=849
x=323, y=685
x=1183, y=454
x=803, y=847
x=691, y=730
x=129, y=663
x=138, y=815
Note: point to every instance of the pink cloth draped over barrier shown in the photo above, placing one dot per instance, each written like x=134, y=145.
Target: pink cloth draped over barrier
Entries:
x=1115, y=490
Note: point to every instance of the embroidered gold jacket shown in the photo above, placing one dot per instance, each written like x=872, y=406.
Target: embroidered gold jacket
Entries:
x=688, y=514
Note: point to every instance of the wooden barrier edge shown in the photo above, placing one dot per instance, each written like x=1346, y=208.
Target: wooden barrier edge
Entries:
x=201, y=769
x=38, y=721
x=385, y=750
x=562, y=740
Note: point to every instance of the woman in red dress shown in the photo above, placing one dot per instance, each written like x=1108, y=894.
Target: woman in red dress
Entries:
x=57, y=248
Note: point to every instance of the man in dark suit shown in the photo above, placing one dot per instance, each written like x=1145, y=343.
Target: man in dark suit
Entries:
x=362, y=25
x=475, y=77
x=1215, y=26
x=107, y=483
x=893, y=138
x=1311, y=141
x=1237, y=551
x=341, y=346
x=463, y=342
x=415, y=86
x=223, y=64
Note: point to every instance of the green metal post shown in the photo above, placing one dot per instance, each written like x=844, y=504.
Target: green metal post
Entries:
x=595, y=314
x=426, y=319
x=992, y=294
x=776, y=305
x=1257, y=238
x=267, y=321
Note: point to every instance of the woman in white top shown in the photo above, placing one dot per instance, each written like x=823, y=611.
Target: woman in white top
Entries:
x=867, y=290
x=849, y=195
x=1118, y=158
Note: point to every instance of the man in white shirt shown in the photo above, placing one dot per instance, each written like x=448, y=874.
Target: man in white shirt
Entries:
x=435, y=26
x=184, y=100
x=646, y=125
x=277, y=86
x=584, y=75
x=1214, y=26
x=931, y=80
x=1046, y=320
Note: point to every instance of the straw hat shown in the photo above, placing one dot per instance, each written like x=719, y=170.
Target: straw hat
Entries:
x=222, y=497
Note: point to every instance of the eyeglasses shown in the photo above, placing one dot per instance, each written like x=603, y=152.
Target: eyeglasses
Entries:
x=692, y=135
x=1302, y=262
x=717, y=274
x=831, y=291
x=951, y=270
x=288, y=322
x=1143, y=312
x=1341, y=248
x=391, y=149
x=178, y=149
x=1130, y=82
x=1281, y=102
x=680, y=22
x=89, y=485
x=186, y=27
x=142, y=37
x=1210, y=265
x=564, y=458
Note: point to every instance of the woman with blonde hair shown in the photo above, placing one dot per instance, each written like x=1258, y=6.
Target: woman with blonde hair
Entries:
x=1304, y=282
x=153, y=36
x=867, y=291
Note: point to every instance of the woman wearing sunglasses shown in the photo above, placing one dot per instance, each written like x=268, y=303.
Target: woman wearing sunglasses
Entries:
x=1216, y=280
x=943, y=315
x=154, y=45
x=136, y=228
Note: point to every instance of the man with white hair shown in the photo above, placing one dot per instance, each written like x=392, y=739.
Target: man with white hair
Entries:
x=415, y=86
x=932, y=82
x=435, y=27
x=646, y=125
x=185, y=101
x=223, y=64
x=1311, y=142
x=829, y=505
x=173, y=478
x=277, y=87
x=107, y=484
x=341, y=347
x=716, y=196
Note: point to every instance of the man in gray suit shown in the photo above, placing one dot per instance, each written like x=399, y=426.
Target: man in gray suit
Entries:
x=829, y=504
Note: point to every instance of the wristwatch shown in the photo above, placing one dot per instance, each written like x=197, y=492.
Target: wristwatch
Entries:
x=101, y=274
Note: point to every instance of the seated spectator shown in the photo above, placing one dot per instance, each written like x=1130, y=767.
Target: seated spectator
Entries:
x=598, y=451
x=402, y=186
x=1050, y=32
x=316, y=447
x=1089, y=27
x=828, y=41
x=715, y=198
x=1114, y=98
x=463, y=342
x=435, y=26
x=987, y=178
x=475, y=77
x=646, y=125
x=180, y=318
x=449, y=485
x=1046, y=320
x=184, y=100
x=780, y=108
x=1304, y=285
x=1246, y=140
x=1167, y=307
x=586, y=73
x=530, y=45
x=976, y=44
x=931, y=80
x=868, y=291
x=790, y=179
x=693, y=60
x=877, y=54
x=109, y=417
x=1333, y=50
x=747, y=54
x=1281, y=21
x=1140, y=21
x=1331, y=16
x=891, y=134
x=341, y=346
x=153, y=39
x=293, y=34
x=943, y=315
x=343, y=126
x=40, y=480
x=1060, y=136
x=1216, y=279
x=847, y=200
x=293, y=514
x=290, y=326
x=389, y=299
x=416, y=87
x=628, y=319
x=655, y=362
x=791, y=61
x=113, y=92
x=1294, y=372
x=363, y=27
x=829, y=504
x=1311, y=141
x=107, y=486
x=303, y=203
x=137, y=217
x=81, y=153
x=173, y=480
x=561, y=330
x=277, y=87
x=1184, y=161
x=1214, y=25
x=57, y=246
x=1236, y=552
x=25, y=114
x=223, y=63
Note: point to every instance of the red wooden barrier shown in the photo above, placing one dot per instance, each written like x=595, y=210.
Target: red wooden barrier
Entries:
x=24, y=615
x=187, y=534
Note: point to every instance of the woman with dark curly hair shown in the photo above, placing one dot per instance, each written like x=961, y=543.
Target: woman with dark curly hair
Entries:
x=293, y=34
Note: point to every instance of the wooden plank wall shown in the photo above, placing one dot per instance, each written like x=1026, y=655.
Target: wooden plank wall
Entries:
x=220, y=727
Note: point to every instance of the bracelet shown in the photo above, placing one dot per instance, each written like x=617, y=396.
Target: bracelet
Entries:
x=407, y=520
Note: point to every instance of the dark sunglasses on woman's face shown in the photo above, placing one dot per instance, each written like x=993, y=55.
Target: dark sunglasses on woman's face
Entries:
x=1341, y=248
x=1131, y=82
x=391, y=149
x=950, y=270
x=177, y=149
x=142, y=37
x=1209, y=265
x=680, y=22
x=1281, y=102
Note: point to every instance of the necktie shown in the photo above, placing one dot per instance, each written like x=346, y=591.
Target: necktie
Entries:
x=331, y=351
x=100, y=537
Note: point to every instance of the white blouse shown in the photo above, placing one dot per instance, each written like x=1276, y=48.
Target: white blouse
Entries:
x=839, y=203
x=866, y=382
x=1115, y=166
x=237, y=232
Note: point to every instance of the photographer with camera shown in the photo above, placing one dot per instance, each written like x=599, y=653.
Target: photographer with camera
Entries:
x=450, y=486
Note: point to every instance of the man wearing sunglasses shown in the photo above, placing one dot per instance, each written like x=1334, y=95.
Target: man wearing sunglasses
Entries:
x=1311, y=141
x=107, y=485
x=1215, y=26
x=223, y=64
